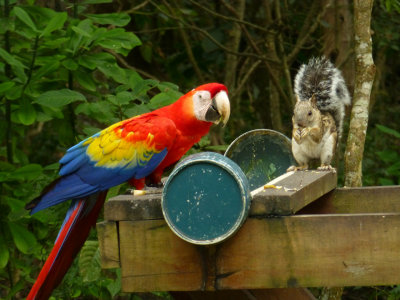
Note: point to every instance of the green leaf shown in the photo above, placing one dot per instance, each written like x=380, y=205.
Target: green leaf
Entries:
x=142, y=86
x=388, y=130
x=55, y=23
x=160, y=100
x=70, y=64
x=81, y=31
x=10, y=59
x=14, y=92
x=49, y=67
x=117, y=19
x=5, y=86
x=92, y=60
x=27, y=172
x=118, y=40
x=59, y=98
x=89, y=261
x=26, y=113
x=23, y=238
x=85, y=79
x=114, y=71
x=123, y=98
x=24, y=17
x=4, y=253
x=96, y=1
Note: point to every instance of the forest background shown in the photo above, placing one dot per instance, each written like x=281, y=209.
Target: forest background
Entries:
x=69, y=69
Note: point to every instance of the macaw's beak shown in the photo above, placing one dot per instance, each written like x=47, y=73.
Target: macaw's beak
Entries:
x=220, y=109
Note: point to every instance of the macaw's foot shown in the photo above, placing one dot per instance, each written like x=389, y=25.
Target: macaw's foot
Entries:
x=299, y=168
x=158, y=185
x=325, y=167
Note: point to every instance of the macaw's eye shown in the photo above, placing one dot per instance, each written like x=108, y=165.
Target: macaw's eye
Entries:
x=310, y=113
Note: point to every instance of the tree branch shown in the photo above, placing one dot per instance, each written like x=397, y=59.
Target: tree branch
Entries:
x=302, y=40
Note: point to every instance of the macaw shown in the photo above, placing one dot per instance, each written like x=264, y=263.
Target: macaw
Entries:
x=132, y=150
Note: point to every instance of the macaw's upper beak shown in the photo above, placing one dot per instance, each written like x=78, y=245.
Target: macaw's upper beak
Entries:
x=220, y=109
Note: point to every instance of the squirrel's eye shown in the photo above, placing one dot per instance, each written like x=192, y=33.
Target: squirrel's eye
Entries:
x=310, y=113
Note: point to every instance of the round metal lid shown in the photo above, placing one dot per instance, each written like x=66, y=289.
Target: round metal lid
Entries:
x=262, y=154
x=206, y=198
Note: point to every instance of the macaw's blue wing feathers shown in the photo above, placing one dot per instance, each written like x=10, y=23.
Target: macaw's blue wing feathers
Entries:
x=81, y=217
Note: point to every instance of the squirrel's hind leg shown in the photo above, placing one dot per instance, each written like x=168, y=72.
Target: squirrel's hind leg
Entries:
x=328, y=151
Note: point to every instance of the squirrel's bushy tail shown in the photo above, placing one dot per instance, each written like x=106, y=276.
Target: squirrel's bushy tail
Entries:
x=321, y=78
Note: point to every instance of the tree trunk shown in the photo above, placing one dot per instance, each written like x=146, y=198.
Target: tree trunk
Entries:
x=364, y=78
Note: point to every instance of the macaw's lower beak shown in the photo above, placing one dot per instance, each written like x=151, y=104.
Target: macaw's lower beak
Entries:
x=220, y=109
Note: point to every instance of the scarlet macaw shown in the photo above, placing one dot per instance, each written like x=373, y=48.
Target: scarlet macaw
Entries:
x=133, y=150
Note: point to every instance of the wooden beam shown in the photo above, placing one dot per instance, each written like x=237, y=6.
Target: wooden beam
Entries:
x=153, y=258
x=277, y=252
x=129, y=207
x=372, y=199
x=297, y=190
x=261, y=294
x=107, y=233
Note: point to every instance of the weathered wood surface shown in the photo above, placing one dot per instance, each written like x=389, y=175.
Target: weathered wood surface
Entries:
x=278, y=252
x=296, y=190
x=107, y=233
x=372, y=199
x=261, y=294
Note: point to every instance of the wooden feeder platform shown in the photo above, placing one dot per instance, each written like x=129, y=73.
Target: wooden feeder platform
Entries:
x=303, y=233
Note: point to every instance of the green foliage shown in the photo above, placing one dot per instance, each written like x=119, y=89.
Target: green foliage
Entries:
x=59, y=81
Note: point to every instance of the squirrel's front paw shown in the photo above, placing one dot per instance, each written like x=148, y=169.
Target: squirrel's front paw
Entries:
x=304, y=132
x=297, y=135
x=324, y=167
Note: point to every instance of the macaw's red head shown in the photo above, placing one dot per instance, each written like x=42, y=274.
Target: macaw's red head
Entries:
x=202, y=106
x=211, y=103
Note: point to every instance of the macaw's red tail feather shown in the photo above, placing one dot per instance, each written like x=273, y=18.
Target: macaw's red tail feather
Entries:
x=81, y=217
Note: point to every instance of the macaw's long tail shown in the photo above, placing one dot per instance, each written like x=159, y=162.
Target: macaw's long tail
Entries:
x=80, y=218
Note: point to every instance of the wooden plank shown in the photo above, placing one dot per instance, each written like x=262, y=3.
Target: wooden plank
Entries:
x=108, y=243
x=153, y=258
x=372, y=199
x=312, y=251
x=277, y=252
x=129, y=207
x=261, y=294
x=298, y=189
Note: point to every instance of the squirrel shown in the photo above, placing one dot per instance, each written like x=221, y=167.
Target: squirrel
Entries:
x=318, y=115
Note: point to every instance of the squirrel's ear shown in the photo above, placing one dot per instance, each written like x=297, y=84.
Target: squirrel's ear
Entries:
x=313, y=100
x=297, y=99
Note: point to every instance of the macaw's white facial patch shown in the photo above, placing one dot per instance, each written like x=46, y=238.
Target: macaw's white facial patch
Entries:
x=201, y=103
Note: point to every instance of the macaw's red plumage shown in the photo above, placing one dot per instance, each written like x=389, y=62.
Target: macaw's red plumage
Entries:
x=133, y=150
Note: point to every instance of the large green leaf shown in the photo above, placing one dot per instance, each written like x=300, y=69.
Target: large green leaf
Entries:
x=388, y=130
x=4, y=253
x=59, y=98
x=92, y=60
x=85, y=79
x=10, y=59
x=117, y=19
x=26, y=113
x=24, y=17
x=89, y=261
x=118, y=40
x=23, y=238
x=27, y=172
x=55, y=23
x=5, y=86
